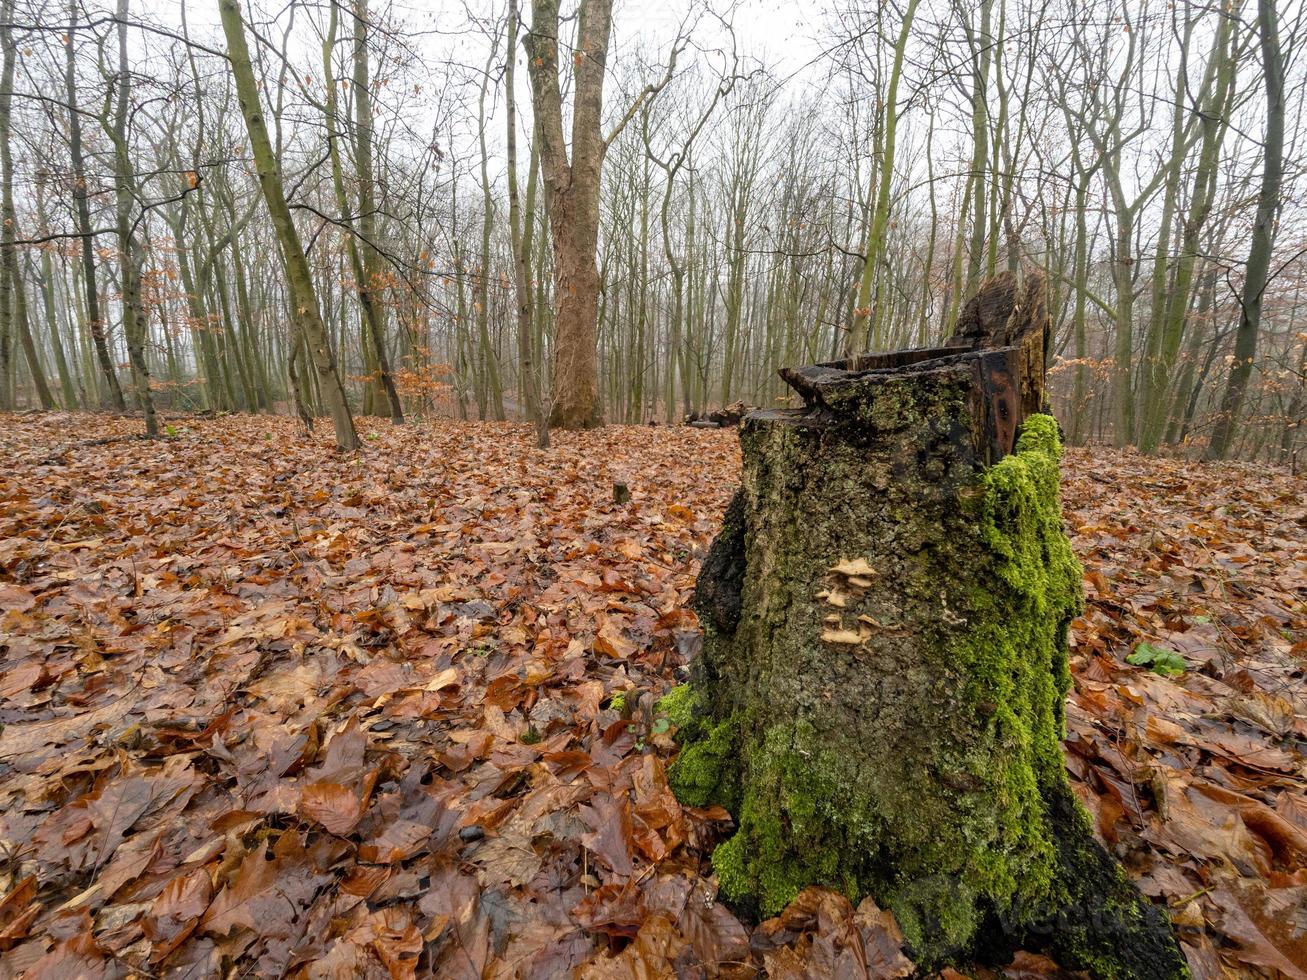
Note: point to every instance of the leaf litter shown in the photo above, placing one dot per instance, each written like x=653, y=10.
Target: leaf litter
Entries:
x=271, y=709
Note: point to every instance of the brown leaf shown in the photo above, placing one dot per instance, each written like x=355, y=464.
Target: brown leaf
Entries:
x=1269, y=925
x=615, y=910
x=610, y=642
x=610, y=836
x=176, y=912
x=393, y=937
x=270, y=890
x=17, y=911
x=715, y=934
x=882, y=941
x=461, y=930
x=649, y=957
x=1033, y=966
x=79, y=956
x=338, y=808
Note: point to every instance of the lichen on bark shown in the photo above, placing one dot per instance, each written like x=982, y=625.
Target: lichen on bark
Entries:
x=898, y=732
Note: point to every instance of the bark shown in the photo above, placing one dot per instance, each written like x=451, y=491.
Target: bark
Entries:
x=981, y=46
x=1263, y=237
x=572, y=200
x=368, y=271
x=521, y=229
x=13, y=294
x=305, y=312
x=861, y=329
x=1080, y=274
x=1168, y=326
x=81, y=195
x=491, y=388
x=129, y=251
x=44, y=274
x=879, y=702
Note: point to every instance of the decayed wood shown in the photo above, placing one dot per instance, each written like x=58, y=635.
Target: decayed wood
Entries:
x=879, y=698
x=1003, y=334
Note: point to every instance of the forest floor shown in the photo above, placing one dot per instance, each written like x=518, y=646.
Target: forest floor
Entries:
x=271, y=708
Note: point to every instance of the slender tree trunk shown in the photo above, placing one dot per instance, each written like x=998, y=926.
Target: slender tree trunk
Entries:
x=66, y=383
x=521, y=229
x=135, y=324
x=304, y=301
x=492, y=387
x=371, y=265
x=13, y=295
x=980, y=55
x=1123, y=264
x=81, y=195
x=1080, y=273
x=1201, y=316
x=1161, y=351
x=863, y=331
x=1263, y=236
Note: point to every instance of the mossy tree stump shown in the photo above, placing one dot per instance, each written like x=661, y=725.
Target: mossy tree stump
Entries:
x=879, y=702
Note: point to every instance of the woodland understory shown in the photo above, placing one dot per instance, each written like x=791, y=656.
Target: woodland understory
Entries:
x=571, y=214
x=273, y=709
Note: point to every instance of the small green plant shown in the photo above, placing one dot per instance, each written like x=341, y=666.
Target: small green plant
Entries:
x=170, y=431
x=1159, y=660
x=531, y=736
x=373, y=436
x=618, y=702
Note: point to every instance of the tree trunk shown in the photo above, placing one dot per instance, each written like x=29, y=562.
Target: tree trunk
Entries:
x=879, y=702
x=572, y=200
x=81, y=192
x=368, y=271
x=135, y=324
x=1263, y=237
x=575, y=401
x=304, y=301
x=860, y=331
x=521, y=229
x=491, y=390
x=13, y=293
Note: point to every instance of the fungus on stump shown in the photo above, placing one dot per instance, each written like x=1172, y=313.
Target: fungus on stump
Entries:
x=879, y=702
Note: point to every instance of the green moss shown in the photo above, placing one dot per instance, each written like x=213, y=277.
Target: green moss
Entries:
x=1013, y=661
x=705, y=771
x=618, y=702
x=789, y=829
x=679, y=705
x=937, y=915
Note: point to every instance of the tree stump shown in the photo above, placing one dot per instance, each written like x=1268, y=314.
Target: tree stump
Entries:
x=879, y=702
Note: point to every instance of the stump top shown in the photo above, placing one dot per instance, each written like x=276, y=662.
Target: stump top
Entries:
x=1000, y=342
